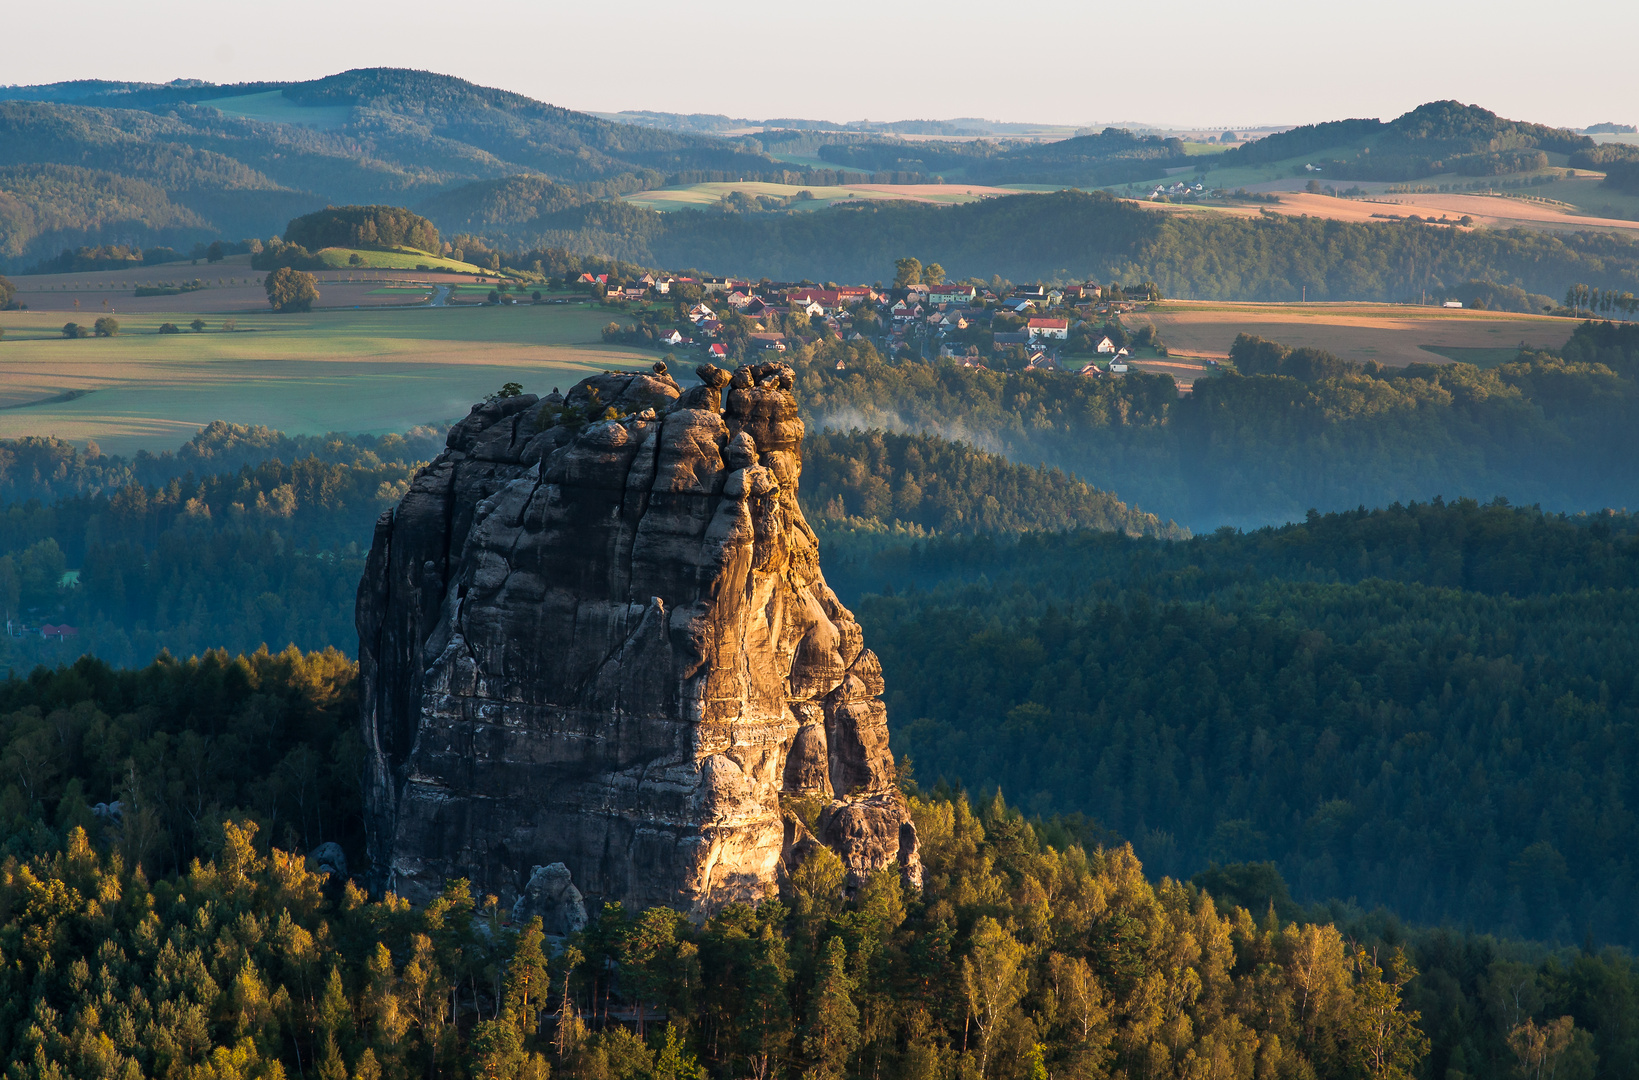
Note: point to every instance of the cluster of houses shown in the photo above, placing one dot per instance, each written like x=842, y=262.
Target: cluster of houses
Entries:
x=923, y=319
x=1178, y=190
x=49, y=631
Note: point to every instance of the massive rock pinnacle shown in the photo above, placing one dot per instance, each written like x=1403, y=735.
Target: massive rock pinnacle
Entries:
x=595, y=633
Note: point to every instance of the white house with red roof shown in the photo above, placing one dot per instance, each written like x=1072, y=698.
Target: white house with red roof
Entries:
x=1048, y=328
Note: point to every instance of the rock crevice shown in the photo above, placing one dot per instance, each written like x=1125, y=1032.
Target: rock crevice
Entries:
x=595, y=633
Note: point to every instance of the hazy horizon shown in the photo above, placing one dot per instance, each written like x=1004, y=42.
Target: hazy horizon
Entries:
x=1202, y=67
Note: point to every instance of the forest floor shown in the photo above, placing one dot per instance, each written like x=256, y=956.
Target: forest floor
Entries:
x=1392, y=334
x=358, y=371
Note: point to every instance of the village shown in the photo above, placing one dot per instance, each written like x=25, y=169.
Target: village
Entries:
x=1073, y=328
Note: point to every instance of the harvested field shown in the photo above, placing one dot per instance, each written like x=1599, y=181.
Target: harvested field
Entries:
x=1497, y=211
x=1491, y=211
x=1388, y=333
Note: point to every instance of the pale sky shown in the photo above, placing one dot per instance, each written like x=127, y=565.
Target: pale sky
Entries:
x=1175, y=63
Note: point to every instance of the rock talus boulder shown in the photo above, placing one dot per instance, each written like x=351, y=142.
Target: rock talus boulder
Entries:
x=595, y=646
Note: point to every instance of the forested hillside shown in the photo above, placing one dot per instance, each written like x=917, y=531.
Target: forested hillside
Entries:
x=47, y=469
x=1441, y=136
x=1113, y=156
x=883, y=482
x=239, y=161
x=47, y=207
x=1028, y=952
x=1074, y=236
x=1430, y=708
x=1549, y=429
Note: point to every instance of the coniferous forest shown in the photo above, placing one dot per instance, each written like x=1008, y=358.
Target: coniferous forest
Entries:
x=180, y=939
x=1344, y=797
x=1284, y=726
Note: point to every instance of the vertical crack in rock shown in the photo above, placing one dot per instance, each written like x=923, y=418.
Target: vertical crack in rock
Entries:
x=604, y=648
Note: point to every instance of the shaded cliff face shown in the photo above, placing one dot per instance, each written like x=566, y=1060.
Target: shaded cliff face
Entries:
x=607, y=643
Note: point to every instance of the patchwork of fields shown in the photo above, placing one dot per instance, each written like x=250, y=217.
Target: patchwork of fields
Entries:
x=356, y=371
x=378, y=355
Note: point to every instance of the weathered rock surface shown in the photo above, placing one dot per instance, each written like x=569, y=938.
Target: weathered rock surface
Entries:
x=550, y=895
x=595, y=633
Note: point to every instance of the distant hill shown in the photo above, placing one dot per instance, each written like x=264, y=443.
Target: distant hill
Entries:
x=240, y=161
x=1112, y=156
x=1072, y=236
x=1441, y=136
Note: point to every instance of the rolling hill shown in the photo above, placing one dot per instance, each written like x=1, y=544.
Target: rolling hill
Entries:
x=236, y=161
x=1441, y=136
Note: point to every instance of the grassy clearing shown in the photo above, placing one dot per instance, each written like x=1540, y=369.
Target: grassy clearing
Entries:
x=1480, y=358
x=400, y=259
x=357, y=371
x=273, y=107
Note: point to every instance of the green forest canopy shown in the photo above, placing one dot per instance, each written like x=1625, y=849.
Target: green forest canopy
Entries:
x=1429, y=707
x=166, y=938
x=381, y=228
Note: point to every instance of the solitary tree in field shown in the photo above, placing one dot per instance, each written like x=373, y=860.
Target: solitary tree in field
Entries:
x=198, y=326
x=291, y=290
x=106, y=327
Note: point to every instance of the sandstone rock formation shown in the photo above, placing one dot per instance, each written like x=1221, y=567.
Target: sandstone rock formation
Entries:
x=595, y=633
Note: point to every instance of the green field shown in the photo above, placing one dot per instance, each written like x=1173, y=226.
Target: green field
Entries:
x=337, y=258
x=1480, y=358
x=354, y=371
x=699, y=195
x=273, y=107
